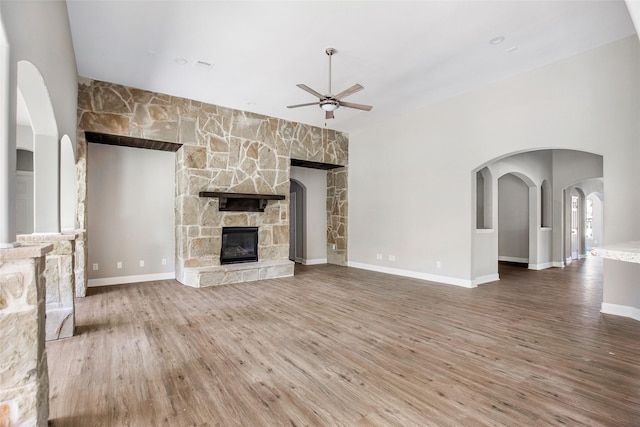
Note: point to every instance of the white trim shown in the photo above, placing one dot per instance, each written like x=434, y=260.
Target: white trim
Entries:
x=621, y=310
x=546, y=229
x=542, y=266
x=513, y=259
x=582, y=256
x=299, y=260
x=121, y=280
x=568, y=261
x=557, y=264
x=485, y=279
x=314, y=261
x=413, y=274
x=484, y=230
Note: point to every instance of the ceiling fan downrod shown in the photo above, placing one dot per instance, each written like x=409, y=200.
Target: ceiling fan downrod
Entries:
x=330, y=51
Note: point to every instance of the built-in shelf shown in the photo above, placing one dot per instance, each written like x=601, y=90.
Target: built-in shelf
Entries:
x=241, y=202
x=628, y=252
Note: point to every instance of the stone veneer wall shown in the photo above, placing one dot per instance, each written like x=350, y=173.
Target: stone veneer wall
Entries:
x=60, y=279
x=223, y=150
x=24, y=379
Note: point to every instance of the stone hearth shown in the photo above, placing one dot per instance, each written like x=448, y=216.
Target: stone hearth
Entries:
x=236, y=273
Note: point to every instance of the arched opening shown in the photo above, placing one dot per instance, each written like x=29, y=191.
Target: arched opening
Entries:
x=34, y=105
x=549, y=176
x=584, y=201
x=594, y=207
x=575, y=224
x=513, y=219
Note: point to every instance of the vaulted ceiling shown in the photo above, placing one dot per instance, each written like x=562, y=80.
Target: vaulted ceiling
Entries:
x=249, y=55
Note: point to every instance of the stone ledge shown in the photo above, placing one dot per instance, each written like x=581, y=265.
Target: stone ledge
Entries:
x=25, y=251
x=47, y=238
x=201, y=277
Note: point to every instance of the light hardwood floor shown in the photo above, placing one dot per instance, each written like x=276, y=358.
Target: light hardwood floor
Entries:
x=341, y=346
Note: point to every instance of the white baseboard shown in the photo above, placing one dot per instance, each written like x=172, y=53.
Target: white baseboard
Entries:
x=121, y=280
x=413, y=274
x=513, y=259
x=485, y=279
x=620, y=310
x=568, y=261
x=542, y=266
x=557, y=264
x=314, y=261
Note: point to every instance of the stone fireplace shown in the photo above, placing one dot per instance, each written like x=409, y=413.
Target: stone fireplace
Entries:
x=223, y=151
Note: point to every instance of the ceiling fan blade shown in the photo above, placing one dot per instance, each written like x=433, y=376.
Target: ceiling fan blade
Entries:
x=328, y=115
x=356, y=106
x=311, y=91
x=303, y=105
x=353, y=89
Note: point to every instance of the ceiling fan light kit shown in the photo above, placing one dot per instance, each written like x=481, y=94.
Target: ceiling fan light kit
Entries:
x=329, y=103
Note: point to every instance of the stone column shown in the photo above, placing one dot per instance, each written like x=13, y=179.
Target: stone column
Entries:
x=60, y=278
x=337, y=216
x=24, y=379
x=80, y=263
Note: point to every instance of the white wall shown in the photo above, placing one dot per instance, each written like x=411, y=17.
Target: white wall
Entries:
x=411, y=177
x=596, y=239
x=315, y=213
x=131, y=211
x=513, y=219
x=48, y=46
x=24, y=138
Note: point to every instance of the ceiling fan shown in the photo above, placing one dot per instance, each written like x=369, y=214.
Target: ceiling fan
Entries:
x=329, y=103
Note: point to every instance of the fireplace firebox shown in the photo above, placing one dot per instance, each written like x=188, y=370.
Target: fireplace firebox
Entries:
x=239, y=244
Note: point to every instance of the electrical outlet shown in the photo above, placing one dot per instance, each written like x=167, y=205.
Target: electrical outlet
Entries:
x=378, y=256
x=164, y=261
x=392, y=258
x=141, y=263
x=95, y=267
x=438, y=264
x=119, y=264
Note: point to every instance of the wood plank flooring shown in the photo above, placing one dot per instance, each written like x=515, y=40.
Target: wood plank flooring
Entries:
x=338, y=346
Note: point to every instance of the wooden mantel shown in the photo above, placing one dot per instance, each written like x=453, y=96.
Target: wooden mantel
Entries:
x=242, y=202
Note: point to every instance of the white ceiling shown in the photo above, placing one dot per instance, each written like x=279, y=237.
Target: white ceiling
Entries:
x=407, y=54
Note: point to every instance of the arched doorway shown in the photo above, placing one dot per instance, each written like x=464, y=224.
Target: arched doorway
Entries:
x=593, y=220
x=513, y=219
x=35, y=104
x=296, y=221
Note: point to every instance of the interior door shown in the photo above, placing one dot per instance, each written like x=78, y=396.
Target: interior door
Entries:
x=574, y=228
